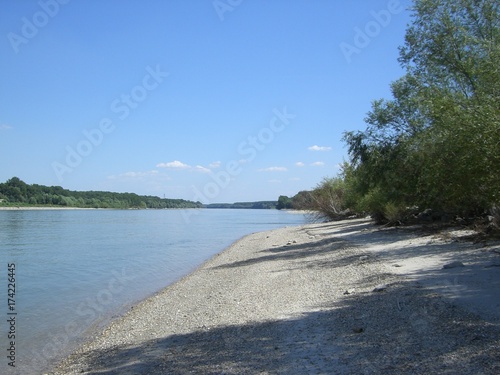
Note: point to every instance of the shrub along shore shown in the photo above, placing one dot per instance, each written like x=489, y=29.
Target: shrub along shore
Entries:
x=433, y=148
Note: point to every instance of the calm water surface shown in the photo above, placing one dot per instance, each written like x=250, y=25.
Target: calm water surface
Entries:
x=75, y=270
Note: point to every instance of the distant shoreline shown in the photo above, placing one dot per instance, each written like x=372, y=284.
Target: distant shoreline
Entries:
x=35, y=208
x=38, y=208
x=21, y=208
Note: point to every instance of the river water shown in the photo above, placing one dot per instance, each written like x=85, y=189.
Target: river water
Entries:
x=77, y=269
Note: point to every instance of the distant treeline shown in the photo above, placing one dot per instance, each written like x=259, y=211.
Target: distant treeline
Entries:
x=301, y=201
x=266, y=205
x=15, y=192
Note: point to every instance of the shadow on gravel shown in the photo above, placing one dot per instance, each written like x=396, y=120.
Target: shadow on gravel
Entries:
x=388, y=239
x=292, y=252
x=419, y=334
x=407, y=328
x=475, y=286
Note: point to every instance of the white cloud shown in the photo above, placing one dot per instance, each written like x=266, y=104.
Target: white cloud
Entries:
x=317, y=164
x=201, y=169
x=299, y=164
x=131, y=174
x=273, y=169
x=215, y=164
x=134, y=174
x=274, y=181
x=176, y=164
x=319, y=148
x=294, y=179
x=5, y=127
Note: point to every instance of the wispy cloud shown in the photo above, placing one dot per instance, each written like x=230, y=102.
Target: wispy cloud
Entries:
x=201, y=169
x=319, y=148
x=317, y=164
x=273, y=169
x=176, y=164
x=5, y=127
x=215, y=164
x=134, y=174
x=300, y=164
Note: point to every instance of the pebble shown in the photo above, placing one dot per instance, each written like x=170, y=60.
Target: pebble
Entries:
x=380, y=288
x=454, y=264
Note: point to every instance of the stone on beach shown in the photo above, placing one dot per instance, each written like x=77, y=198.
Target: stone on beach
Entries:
x=455, y=264
x=380, y=288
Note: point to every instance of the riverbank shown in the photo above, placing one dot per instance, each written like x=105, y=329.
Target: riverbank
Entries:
x=345, y=297
x=34, y=208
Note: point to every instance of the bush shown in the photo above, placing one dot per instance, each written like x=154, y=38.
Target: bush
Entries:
x=394, y=214
x=328, y=199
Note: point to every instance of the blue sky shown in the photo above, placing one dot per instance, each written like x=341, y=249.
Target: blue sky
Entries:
x=210, y=100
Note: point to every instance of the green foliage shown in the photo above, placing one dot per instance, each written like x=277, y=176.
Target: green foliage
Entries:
x=284, y=203
x=328, y=199
x=436, y=143
x=394, y=213
x=15, y=192
x=373, y=202
x=302, y=201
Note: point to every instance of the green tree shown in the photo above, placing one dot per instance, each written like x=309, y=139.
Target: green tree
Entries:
x=284, y=203
x=436, y=143
x=302, y=200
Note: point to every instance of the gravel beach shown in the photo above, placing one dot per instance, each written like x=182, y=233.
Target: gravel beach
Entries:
x=331, y=298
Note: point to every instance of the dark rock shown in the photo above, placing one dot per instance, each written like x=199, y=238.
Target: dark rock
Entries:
x=446, y=218
x=492, y=265
x=425, y=215
x=380, y=288
x=454, y=264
